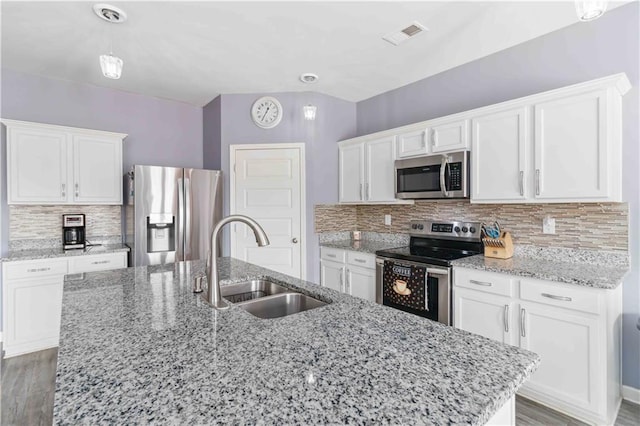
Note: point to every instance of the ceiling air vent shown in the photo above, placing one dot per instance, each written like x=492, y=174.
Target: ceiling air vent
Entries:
x=405, y=34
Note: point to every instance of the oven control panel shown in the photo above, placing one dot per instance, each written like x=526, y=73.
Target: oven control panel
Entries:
x=452, y=230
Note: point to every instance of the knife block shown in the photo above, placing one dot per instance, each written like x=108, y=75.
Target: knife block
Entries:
x=499, y=248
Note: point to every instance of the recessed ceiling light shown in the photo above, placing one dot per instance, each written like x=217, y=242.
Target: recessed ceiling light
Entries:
x=110, y=13
x=308, y=77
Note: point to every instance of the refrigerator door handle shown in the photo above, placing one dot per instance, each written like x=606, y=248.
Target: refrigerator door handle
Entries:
x=180, y=220
x=187, y=219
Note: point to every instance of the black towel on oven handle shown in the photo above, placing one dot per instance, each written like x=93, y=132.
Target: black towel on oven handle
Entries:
x=416, y=279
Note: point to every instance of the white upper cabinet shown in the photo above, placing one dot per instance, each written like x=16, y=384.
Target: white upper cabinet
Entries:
x=413, y=143
x=97, y=170
x=49, y=164
x=499, y=160
x=574, y=144
x=351, y=169
x=576, y=149
x=380, y=156
x=449, y=135
x=37, y=166
x=366, y=171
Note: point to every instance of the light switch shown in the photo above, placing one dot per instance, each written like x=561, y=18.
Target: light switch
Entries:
x=387, y=219
x=548, y=225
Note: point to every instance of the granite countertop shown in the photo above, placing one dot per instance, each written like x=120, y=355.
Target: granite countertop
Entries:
x=597, y=275
x=364, y=246
x=47, y=253
x=137, y=346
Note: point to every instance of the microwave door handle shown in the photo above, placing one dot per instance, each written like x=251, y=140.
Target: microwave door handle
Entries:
x=443, y=171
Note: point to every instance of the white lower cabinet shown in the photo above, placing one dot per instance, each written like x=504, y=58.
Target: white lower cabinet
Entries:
x=349, y=272
x=32, y=298
x=575, y=331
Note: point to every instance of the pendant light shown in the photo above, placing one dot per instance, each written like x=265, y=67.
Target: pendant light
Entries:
x=309, y=112
x=110, y=64
x=588, y=10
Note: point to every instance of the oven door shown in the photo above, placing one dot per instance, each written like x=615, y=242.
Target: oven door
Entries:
x=417, y=288
x=435, y=176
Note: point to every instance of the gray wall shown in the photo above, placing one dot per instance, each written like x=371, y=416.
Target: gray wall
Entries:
x=581, y=52
x=211, y=134
x=161, y=132
x=335, y=120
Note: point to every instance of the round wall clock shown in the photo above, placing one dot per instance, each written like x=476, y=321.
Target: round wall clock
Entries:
x=266, y=112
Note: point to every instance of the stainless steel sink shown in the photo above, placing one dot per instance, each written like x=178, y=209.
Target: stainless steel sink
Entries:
x=281, y=305
x=251, y=290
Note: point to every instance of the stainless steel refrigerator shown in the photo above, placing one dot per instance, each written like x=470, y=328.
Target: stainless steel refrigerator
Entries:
x=170, y=213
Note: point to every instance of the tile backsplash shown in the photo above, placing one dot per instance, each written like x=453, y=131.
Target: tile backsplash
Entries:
x=45, y=222
x=602, y=226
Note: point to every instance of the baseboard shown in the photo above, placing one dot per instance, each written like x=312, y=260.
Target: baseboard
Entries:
x=631, y=394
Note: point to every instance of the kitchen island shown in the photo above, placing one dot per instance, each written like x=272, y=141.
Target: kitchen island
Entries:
x=137, y=346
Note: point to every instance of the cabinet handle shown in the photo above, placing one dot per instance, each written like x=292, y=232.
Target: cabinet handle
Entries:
x=360, y=260
x=506, y=318
x=342, y=280
x=424, y=139
x=433, y=137
x=360, y=191
x=554, y=297
x=367, y=192
x=348, y=286
x=521, y=182
x=482, y=283
x=331, y=255
x=63, y=189
x=523, y=324
x=38, y=270
x=77, y=189
x=100, y=262
x=537, y=181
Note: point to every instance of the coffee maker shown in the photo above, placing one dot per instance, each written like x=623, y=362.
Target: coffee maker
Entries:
x=73, y=231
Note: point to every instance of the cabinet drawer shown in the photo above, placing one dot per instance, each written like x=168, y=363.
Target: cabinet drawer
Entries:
x=34, y=268
x=489, y=282
x=332, y=254
x=363, y=260
x=97, y=263
x=561, y=295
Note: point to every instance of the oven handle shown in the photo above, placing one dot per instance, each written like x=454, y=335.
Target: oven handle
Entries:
x=443, y=171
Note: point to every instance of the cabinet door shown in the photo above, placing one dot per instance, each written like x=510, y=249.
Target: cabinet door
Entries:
x=571, y=148
x=499, y=146
x=485, y=314
x=332, y=275
x=97, y=170
x=351, y=173
x=33, y=314
x=380, y=156
x=361, y=282
x=37, y=167
x=449, y=136
x=412, y=143
x=568, y=347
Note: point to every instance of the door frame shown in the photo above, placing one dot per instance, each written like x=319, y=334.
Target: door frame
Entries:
x=233, y=149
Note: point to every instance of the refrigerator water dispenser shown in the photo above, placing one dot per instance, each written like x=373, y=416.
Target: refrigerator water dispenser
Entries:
x=161, y=233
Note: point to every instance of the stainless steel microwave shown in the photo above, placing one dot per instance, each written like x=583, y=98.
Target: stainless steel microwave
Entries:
x=433, y=176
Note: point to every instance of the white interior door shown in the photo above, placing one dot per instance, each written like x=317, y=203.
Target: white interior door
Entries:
x=268, y=186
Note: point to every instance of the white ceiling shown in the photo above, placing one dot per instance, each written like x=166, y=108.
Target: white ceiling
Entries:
x=193, y=51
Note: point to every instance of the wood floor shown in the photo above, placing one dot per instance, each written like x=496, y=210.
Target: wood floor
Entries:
x=28, y=384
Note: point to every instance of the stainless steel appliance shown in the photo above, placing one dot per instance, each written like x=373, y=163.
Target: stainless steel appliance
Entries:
x=433, y=176
x=417, y=278
x=73, y=231
x=170, y=213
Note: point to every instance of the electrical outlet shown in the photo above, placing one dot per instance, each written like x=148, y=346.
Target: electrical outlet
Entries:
x=548, y=225
x=387, y=219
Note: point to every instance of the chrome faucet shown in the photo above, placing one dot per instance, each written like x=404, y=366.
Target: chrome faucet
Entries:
x=213, y=296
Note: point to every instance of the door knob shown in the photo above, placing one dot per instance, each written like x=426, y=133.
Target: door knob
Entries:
x=294, y=241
